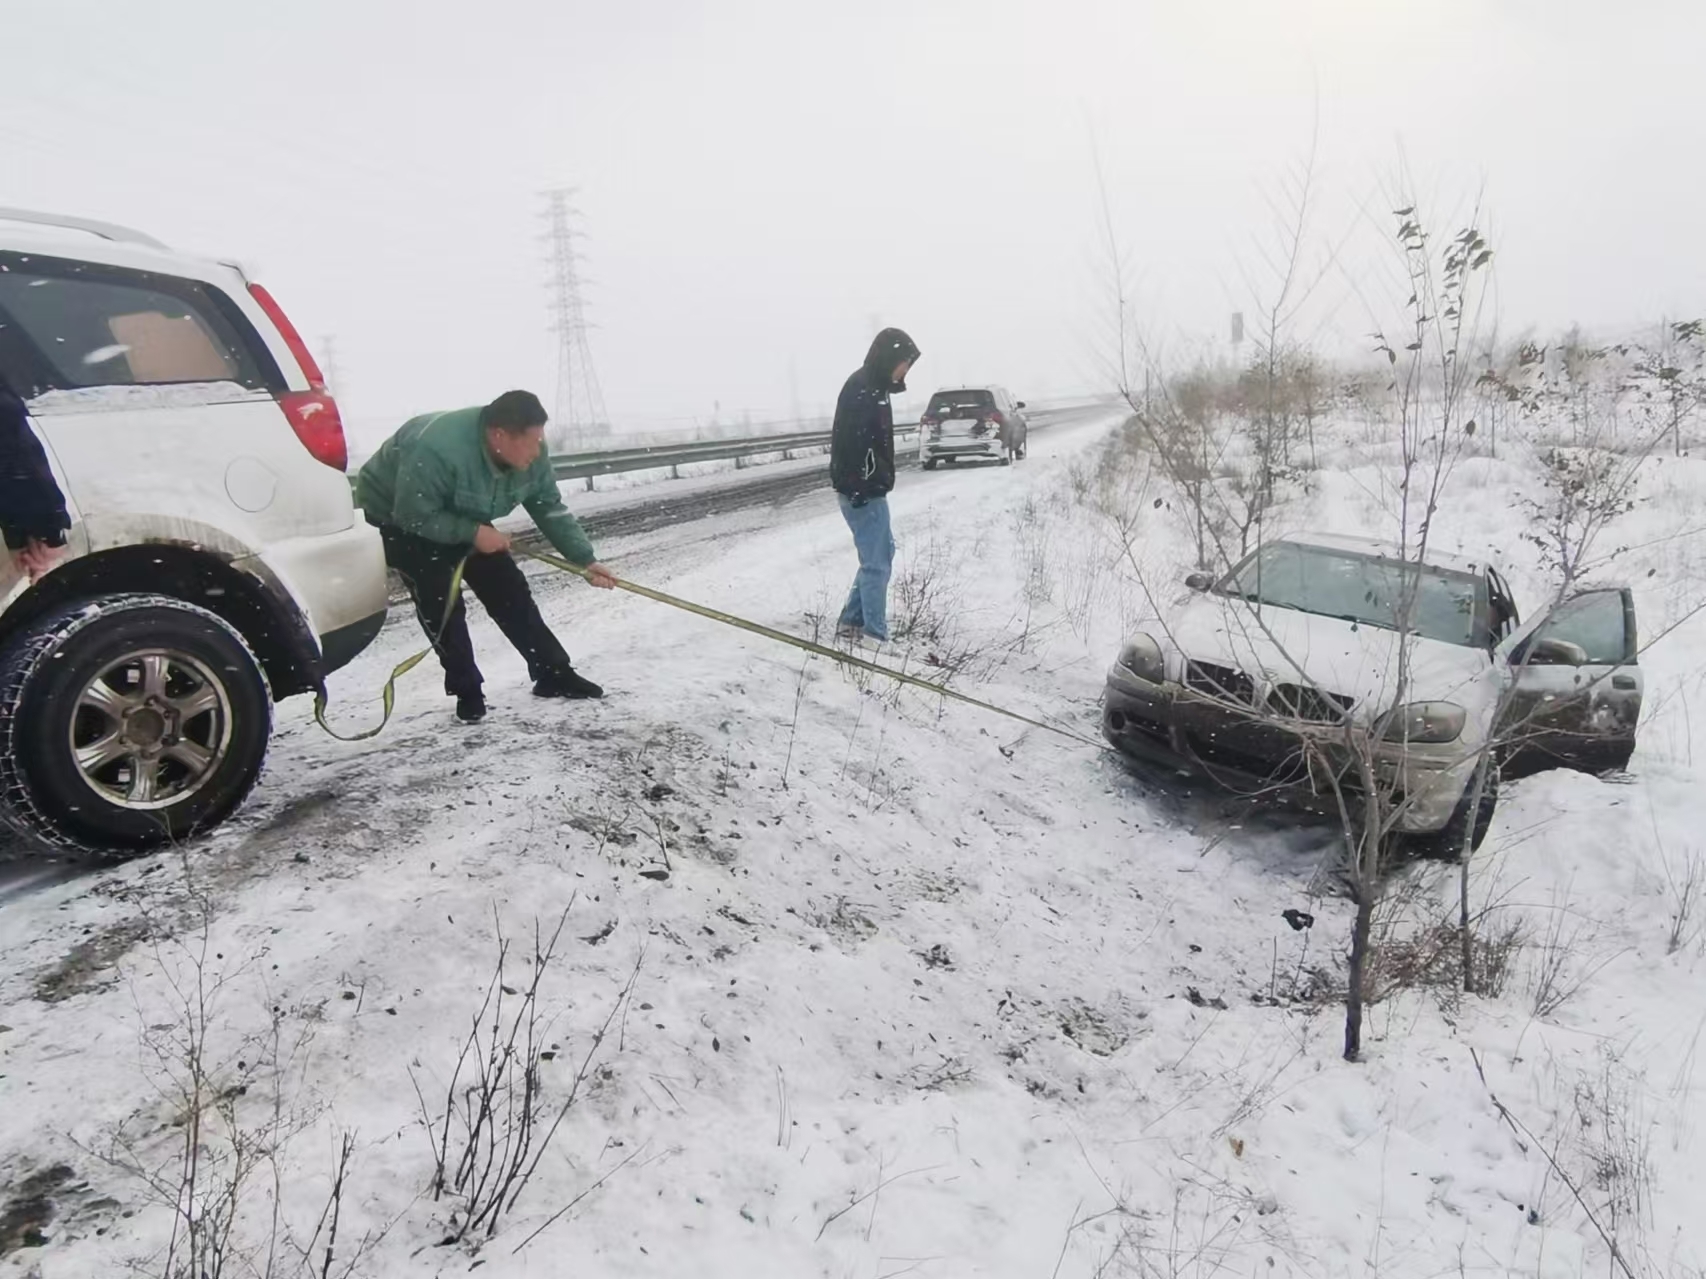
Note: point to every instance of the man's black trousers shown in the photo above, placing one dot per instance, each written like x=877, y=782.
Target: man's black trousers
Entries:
x=497, y=580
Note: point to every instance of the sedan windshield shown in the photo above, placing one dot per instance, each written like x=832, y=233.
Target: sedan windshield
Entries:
x=1368, y=589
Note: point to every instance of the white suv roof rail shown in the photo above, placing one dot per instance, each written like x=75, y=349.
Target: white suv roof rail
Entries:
x=106, y=230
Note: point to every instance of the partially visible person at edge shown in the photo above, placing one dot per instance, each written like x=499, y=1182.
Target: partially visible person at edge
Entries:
x=861, y=469
x=434, y=490
x=32, y=509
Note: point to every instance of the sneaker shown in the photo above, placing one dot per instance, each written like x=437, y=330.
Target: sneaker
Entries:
x=846, y=633
x=568, y=683
x=870, y=648
x=471, y=708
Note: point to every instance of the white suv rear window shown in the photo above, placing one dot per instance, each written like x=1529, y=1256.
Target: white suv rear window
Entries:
x=959, y=403
x=68, y=326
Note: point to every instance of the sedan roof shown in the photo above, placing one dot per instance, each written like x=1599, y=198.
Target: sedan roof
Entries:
x=1384, y=549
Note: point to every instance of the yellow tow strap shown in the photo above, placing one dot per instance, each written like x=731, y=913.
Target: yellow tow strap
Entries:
x=389, y=695
x=715, y=615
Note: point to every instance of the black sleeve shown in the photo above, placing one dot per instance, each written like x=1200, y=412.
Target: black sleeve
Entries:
x=31, y=505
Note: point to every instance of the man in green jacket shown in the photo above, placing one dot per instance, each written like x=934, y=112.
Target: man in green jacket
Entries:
x=434, y=489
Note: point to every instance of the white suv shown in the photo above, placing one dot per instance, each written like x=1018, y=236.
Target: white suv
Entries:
x=215, y=561
x=973, y=423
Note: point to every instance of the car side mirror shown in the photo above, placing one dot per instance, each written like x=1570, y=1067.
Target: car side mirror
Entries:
x=1019, y=404
x=1553, y=652
x=1199, y=581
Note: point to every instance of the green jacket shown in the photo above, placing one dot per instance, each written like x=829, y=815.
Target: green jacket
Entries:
x=435, y=479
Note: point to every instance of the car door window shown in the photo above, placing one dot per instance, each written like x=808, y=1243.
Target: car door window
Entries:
x=1598, y=622
x=71, y=326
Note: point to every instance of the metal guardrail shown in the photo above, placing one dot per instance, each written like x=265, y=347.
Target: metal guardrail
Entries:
x=588, y=466
x=577, y=466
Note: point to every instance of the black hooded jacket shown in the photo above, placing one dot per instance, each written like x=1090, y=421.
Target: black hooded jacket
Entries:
x=31, y=505
x=861, y=445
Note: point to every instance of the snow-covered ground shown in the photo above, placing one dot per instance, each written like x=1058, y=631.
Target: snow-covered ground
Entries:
x=919, y=991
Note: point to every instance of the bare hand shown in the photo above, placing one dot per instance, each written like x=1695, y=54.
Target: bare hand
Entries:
x=37, y=557
x=488, y=541
x=599, y=576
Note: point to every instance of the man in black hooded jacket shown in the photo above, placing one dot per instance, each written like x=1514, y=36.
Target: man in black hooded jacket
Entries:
x=861, y=468
x=32, y=509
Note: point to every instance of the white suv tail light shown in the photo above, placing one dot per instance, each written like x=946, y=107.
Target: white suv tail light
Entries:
x=313, y=414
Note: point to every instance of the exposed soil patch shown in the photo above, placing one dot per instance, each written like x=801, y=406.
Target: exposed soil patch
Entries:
x=89, y=964
x=29, y=1209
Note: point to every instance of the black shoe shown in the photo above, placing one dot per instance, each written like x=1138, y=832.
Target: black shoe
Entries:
x=568, y=683
x=471, y=708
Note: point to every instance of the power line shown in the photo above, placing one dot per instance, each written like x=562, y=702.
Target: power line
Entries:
x=580, y=416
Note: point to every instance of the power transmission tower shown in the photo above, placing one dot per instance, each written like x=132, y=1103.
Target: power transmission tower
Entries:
x=579, y=417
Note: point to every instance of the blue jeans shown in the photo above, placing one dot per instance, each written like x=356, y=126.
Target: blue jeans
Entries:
x=868, y=605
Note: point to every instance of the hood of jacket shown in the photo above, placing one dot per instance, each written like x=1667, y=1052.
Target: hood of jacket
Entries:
x=891, y=348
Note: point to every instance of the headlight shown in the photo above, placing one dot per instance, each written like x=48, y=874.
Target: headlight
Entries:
x=1142, y=657
x=1426, y=723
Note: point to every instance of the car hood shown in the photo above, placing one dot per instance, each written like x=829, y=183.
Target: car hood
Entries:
x=1334, y=655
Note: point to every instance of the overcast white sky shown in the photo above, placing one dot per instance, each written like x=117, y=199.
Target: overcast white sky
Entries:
x=765, y=182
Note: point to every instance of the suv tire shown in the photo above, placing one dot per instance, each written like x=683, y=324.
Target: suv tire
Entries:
x=128, y=722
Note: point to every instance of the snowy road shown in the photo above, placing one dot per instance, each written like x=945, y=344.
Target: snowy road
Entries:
x=1054, y=1014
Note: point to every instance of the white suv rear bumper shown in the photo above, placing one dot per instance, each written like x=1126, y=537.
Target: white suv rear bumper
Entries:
x=338, y=582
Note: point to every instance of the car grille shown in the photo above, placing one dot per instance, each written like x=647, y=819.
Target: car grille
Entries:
x=1311, y=705
x=1220, y=682
x=1287, y=701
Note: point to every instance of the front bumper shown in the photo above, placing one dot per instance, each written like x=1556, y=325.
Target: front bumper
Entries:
x=1307, y=767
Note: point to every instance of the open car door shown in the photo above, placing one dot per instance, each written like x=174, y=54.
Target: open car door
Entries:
x=1576, y=687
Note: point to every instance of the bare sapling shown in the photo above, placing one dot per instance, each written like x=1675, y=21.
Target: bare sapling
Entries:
x=1431, y=377
x=1275, y=386
x=1596, y=418
x=1574, y=1182
x=236, y=1101
x=1176, y=420
x=1687, y=890
x=1676, y=366
x=498, y=1116
x=1229, y=445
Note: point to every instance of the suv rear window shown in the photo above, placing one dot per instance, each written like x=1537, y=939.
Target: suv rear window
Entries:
x=959, y=403
x=67, y=325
